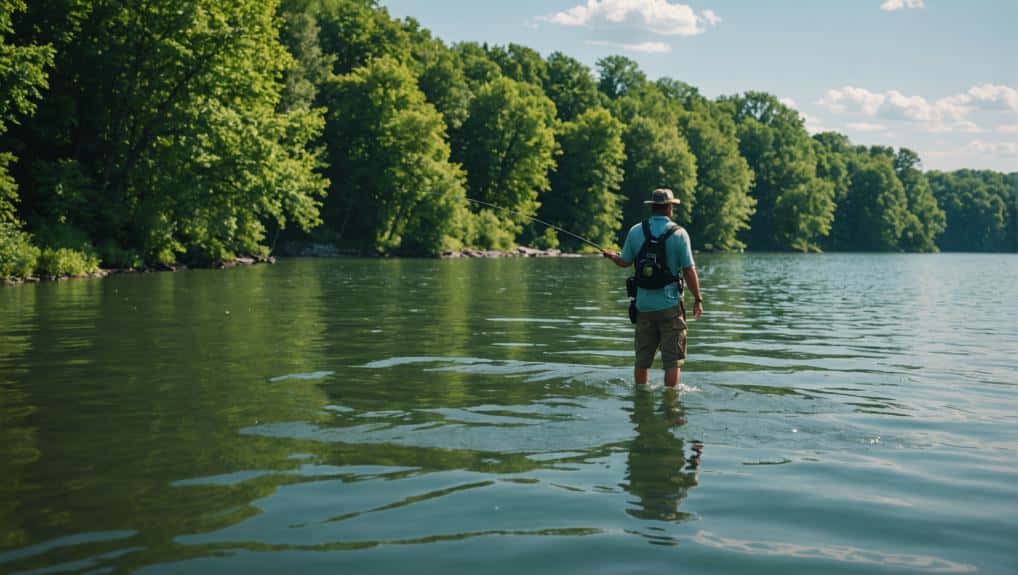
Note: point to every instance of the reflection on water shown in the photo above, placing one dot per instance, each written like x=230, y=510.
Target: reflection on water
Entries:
x=658, y=469
x=381, y=416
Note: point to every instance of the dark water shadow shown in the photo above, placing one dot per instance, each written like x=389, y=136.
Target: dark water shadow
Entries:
x=659, y=473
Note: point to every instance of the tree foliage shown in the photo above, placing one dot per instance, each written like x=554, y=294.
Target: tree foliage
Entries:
x=22, y=80
x=924, y=220
x=619, y=76
x=506, y=145
x=392, y=184
x=162, y=133
x=571, y=86
x=153, y=133
x=723, y=178
x=872, y=216
x=980, y=208
x=794, y=208
x=585, y=186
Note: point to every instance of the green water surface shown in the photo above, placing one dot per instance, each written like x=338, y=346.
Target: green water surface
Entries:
x=855, y=414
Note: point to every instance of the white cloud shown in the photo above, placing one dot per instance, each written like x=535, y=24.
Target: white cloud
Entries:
x=643, y=47
x=948, y=114
x=993, y=148
x=789, y=102
x=977, y=154
x=1008, y=129
x=863, y=100
x=894, y=5
x=866, y=127
x=964, y=126
x=657, y=16
x=993, y=97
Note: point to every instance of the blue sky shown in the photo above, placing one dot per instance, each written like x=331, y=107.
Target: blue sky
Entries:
x=937, y=76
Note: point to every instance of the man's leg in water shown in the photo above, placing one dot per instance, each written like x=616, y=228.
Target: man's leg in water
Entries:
x=671, y=376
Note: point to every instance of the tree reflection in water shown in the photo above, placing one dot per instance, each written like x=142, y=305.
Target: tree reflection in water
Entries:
x=658, y=471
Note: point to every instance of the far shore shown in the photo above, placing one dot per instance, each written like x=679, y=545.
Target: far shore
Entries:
x=309, y=251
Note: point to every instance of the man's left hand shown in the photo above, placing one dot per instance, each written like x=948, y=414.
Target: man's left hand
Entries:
x=697, y=309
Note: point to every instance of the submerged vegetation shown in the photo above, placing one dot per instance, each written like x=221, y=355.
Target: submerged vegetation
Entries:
x=196, y=131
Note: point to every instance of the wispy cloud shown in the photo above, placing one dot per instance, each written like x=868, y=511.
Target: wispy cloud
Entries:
x=642, y=47
x=895, y=5
x=1007, y=149
x=710, y=17
x=657, y=16
x=866, y=127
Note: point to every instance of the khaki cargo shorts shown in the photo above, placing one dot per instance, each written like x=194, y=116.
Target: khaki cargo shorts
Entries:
x=664, y=330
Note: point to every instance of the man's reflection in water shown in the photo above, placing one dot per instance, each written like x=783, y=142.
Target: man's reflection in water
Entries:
x=659, y=472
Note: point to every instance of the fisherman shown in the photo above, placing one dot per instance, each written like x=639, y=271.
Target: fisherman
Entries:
x=660, y=315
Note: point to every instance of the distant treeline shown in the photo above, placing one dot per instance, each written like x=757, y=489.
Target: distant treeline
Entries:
x=151, y=133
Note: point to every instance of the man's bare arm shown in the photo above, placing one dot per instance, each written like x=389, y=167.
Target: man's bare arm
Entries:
x=693, y=283
x=616, y=258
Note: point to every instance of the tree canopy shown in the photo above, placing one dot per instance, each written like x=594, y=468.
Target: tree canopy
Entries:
x=152, y=134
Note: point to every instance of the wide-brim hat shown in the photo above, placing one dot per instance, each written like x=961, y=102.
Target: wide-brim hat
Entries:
x=662, y=196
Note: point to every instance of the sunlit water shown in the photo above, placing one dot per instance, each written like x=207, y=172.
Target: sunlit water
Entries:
x=855, y=414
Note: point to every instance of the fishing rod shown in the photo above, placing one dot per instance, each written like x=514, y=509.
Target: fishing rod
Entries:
x=540, y=221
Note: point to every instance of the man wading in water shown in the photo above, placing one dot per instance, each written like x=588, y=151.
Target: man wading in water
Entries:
x=661, y=318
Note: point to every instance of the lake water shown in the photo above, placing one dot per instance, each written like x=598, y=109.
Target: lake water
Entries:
x=839, y=414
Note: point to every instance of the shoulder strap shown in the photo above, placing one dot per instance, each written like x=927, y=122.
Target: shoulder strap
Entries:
x=671, y=229
x=646, y=231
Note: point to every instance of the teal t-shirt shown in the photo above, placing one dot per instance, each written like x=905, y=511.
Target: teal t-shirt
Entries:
x=680, y=256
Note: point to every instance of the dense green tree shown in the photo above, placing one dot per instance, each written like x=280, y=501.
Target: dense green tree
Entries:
x=393, y=186
x=980, y=209
x=22, y=69
x=833, y=152
x=619, y=76
x=476, y=63
x=354, y=32
x=679, y=91
x=873, y=214
x=1010, y=243
x=299, y=32
x=440, y=76
x=520, y=63
x=162, y=136
x=925, y=220
x=571, y=86
x=794, y=208
x=723, y=178
x=584, y=195
x=22, y=79
x=657, y=156
x=506, y=145
x=193, y=130
x=724, y=206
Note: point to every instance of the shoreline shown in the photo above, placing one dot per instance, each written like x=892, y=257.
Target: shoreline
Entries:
x=105, y=272
x=313, y=251
x=518, y=252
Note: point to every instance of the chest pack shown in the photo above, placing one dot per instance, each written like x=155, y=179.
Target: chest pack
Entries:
x=652, y=271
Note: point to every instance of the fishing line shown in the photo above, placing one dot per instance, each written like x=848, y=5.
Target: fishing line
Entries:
x=540, y=221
